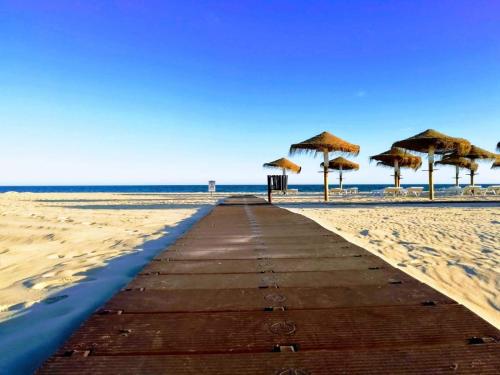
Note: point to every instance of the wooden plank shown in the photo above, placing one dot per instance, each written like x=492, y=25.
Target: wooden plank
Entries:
x=223, y=332
x=255, y=266
x=379, y=277
x=177, y=300
x=473, y=359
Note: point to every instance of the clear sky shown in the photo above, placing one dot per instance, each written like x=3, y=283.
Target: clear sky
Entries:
x=165, y=92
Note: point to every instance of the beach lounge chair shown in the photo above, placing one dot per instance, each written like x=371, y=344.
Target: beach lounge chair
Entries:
x=353, y=190
x=394, y=191
x=337, y=191
x=494, y=190
x=474, y=190
x=415, y=190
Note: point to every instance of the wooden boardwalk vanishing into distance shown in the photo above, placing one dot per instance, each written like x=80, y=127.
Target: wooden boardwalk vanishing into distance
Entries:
x=255, y=289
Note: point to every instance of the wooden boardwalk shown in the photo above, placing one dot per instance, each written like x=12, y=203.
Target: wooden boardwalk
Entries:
x=255, y=289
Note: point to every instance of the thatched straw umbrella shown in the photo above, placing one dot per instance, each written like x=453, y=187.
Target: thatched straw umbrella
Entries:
x=496, y=163
x=433, y=142
x=283, y=164
x=340, y=164
x=477, y=153
x=458, y=162
x=324, y=143
x=397, y=158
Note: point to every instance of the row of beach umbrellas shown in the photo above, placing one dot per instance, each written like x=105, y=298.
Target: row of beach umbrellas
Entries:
x=457, y=152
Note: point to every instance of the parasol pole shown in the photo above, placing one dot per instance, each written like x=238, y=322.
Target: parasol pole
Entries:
x=325, y=173
x=340, y=177
x=396, y=173
x=471, y=177
x=431, y=169
x=457, y=171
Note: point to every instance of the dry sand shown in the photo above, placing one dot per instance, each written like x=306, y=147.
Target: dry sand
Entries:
x=49, y=242
x=453, y=247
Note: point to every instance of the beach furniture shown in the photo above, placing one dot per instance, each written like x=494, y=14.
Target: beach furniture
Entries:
x=415, y=190
x=353, y=190
x=474, y=190
x=395, y=191
x=324, y=143
x=495, y=190
x=477, y=153
x=340, y=164
x=397, y=158
x=433, y=142
x=283, y=164
x=458, y=162
x=337, y=191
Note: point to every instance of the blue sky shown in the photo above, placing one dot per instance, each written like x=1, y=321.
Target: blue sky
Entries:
x=162, y=92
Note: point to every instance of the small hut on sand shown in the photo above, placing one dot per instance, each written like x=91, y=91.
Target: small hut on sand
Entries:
x=324, y=143
x=433, y=142
x=340, y=164
x=397, y=158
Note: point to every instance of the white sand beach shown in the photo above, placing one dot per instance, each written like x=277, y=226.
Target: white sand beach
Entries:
x=50, y=241
x=454, y=247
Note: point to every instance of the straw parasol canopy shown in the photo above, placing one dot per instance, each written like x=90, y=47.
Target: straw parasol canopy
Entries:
x=439, y=142
x=324, y=143
x=433, y=142
x=341, y=164
x=397, y=158
x=477, y=153
x=283, y=164
x=458, y=162
x=496, y=163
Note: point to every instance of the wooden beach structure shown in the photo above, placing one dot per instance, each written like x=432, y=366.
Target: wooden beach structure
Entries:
x=458, y=162
x=397, y=158
x=256, y=289
x=433, y=142
x=324, y=143
x=341, y=164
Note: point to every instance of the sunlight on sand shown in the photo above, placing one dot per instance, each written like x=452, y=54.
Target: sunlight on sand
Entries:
x=50, y=241
x=453, y=248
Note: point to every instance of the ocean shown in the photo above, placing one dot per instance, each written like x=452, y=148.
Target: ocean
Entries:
x=192, y=188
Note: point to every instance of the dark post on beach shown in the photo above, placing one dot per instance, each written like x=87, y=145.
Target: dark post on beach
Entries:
x=269, y=189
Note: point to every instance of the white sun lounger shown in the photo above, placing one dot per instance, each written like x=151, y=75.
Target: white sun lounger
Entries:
x=415, y=190
x=353, y=190
x=474, y=190
x=495, y=190
x=337, y=191
x=394, y=191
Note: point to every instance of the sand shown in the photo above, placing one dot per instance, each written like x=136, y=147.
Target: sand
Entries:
x=455, y=247
x=49, y=242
